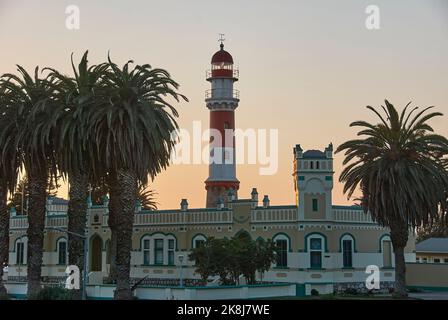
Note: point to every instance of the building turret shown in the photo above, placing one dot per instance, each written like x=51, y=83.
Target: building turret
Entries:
x=313, y=182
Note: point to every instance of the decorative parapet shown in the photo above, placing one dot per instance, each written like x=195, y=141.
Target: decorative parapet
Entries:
x=351, y=214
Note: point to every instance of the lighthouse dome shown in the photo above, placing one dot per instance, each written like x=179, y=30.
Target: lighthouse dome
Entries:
x=222, y=56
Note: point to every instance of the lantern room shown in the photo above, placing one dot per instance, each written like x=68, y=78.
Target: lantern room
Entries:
x=222, y=66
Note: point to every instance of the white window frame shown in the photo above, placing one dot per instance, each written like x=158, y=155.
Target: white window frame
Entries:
x=283, y=237
x=322, y=249
x=57, y=250
x=348, y=237
x=198, y=237
x=24, y=240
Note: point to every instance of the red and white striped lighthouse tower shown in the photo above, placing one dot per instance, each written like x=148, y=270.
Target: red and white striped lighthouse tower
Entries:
x=222, y=100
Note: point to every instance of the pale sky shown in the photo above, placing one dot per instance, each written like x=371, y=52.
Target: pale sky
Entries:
x=307, y=68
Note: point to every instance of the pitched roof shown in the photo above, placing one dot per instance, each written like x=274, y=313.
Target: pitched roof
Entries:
x=433, y=245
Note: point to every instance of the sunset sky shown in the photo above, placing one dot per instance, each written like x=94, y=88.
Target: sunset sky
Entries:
x=307, y=68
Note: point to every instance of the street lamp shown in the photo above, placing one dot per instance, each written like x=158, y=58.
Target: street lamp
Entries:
x=181, y=280
x=84, y=278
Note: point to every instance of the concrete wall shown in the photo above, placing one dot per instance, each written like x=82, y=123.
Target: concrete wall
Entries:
x=105, y=292
x=427, y=275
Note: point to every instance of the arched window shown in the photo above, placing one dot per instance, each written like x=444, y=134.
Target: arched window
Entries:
x=315, y=244
x=158, y=249
x=386, y=249
x=21, y=250
x=198, y=240
x=61, y=247
x=282, y=242
x=347, y=245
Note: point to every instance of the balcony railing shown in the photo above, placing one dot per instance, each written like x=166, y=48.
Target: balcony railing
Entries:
x=235, y=73
x=222, y=94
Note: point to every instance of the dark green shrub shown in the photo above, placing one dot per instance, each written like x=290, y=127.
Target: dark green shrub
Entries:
x=314, y=292
x=54, y=293
x=351, y=291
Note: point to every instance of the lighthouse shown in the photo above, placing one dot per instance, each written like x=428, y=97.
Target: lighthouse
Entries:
x=222, y=100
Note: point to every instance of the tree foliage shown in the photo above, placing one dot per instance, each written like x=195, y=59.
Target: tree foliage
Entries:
x=399, y=165
x=231, y=258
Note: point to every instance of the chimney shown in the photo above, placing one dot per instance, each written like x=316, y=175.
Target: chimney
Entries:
x=184, y=205
x=106, y=201
x=266, y=201
x=254, y=195
x=138, y=205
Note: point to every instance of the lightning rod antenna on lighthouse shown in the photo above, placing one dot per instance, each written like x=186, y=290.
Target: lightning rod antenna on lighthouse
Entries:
x=221, y=39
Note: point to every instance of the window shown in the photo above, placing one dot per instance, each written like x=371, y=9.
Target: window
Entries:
x=425, y=260
x=315, y=206
x=282, y=253
x=436, y=260
x=347, y=253
x=62, y=252
x=311, y=165
x=20, y=249
x=146, y=251
x=445, y=260
x=417, y=259
x=158, y=251
x=199, y=243
x=316, y=253
x=317, y=165
x=171, y=251
x=387, y=254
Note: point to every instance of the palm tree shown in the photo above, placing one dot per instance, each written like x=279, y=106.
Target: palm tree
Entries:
x=36, y=155
x=146, y=197
x=132, y=133
x=21, y=194
x=8, y=175
x=67, y=126
x=99, y=191
x=399, y=167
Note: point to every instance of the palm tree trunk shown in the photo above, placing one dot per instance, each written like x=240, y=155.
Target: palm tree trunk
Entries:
x=399, y=236
x=77, y=218
x=4, y=236
x=37, y=184
x=114, y=208
x=127, y=184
